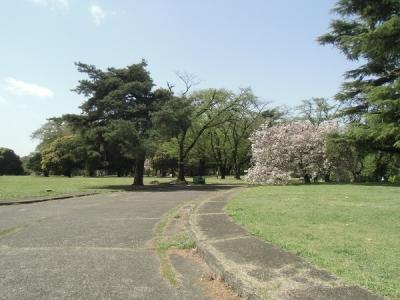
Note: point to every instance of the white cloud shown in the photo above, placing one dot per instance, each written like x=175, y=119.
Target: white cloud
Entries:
x=21, y=88
x=98, y=14
x=53, y=4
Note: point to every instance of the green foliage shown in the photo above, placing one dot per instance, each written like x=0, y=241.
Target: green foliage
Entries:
x=369, y=31
x=247, y=117
x=345, y=157
x=63, y=155
x=166, y=157
x=212, y=119
x=50, y=131
x=187, y=118
x=317, y=110
x=10, y=163
x=115, y=119
x=122, y=142
x=33, y=163
x=175, y=116
x=380, y=166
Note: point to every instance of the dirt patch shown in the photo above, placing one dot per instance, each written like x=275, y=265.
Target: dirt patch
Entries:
x=212, y=286
x=180, y=263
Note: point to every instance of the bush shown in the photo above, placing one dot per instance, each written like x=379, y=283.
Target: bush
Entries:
x=10, y=163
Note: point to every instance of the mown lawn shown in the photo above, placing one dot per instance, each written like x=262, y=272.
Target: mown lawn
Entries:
x=227, y=180
x=351, y=230
x=20, y=187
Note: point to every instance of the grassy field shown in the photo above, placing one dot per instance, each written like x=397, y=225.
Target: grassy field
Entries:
x=351, y=230
x=20, y=187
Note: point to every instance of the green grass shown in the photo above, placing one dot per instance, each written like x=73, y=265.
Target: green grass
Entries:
x=215, y=180
x=351, y=230
x=180, y=241
x=20, y=187
x=167, y=269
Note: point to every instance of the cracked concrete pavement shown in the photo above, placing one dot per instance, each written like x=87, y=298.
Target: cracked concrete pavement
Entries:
x=95, y=247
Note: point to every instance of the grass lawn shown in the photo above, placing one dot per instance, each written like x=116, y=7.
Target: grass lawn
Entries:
x=227, y=180
x=351, y=230
x=19, y=187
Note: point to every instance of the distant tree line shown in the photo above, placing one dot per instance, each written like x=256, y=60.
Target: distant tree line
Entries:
x=126, y=124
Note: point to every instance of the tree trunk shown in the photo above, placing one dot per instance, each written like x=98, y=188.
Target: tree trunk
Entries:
x=202, y=167
x=327, y=177
x=181, y=163
x=356, y=177
x=222, y=170
x=181, y=171
x=236, y=164
x=237, y=172
x=307, y=179
x=139, y=171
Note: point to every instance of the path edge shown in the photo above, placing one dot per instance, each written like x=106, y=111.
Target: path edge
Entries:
x=51, y=198
x=209, y=254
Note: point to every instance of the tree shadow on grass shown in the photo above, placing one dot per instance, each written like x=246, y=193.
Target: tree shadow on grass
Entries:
x=168, y=188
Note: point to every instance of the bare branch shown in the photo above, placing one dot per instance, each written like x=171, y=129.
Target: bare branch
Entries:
x=170, y=86
x=189, y=80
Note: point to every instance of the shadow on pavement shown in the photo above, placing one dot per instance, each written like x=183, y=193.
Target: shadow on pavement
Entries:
x=168, y=188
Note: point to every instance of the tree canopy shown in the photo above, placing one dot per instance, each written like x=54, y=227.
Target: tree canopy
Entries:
x=369, y=32
x=115, y=118
x=10, y=163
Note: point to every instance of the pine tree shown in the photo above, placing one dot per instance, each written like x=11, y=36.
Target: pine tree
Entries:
x=368, y=31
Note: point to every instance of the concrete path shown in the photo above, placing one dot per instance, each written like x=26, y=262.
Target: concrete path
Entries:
x=259, y=270
x=95, y=247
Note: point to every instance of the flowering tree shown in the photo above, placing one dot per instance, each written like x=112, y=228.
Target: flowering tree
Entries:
x=289, y=149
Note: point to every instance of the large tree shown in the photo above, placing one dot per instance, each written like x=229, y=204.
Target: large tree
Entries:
x=63, y=155
x=115, y=117
x=50, y=131
x=220, y=146
x=187, y=117
x=368, y=31
x=245, y=118
x=291, y=149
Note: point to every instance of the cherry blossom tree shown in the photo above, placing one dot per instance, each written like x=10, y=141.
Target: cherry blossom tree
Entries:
x=292, y=149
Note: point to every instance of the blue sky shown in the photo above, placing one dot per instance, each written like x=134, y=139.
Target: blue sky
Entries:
x=269, y=45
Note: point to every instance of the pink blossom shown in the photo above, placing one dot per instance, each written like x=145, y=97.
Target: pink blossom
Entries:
x=293, y=149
